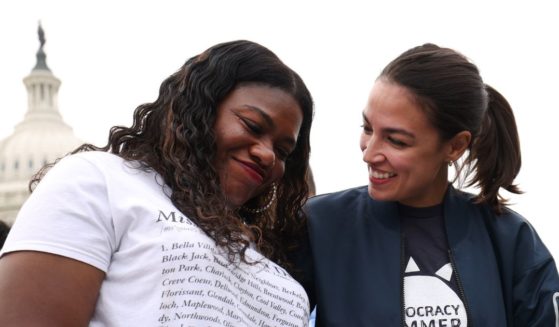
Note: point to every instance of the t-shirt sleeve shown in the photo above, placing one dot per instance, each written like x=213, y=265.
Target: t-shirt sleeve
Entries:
x=68, y=214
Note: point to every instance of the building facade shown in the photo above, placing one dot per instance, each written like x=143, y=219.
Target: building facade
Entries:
x=41, y=137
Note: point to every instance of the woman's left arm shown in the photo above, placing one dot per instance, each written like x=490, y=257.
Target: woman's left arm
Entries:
x=536, y=287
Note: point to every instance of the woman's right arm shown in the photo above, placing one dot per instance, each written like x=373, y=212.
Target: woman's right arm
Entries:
x=54, y=260
x=42, y=289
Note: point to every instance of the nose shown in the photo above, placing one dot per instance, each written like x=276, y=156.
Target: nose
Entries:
x=371, y=148
x=263, y=154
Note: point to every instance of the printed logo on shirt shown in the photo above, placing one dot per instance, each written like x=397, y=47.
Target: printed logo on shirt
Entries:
x=173, y=217
x=429, y=299
x=174, y=222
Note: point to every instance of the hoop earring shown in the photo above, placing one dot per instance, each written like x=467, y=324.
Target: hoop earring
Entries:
x=272, y=198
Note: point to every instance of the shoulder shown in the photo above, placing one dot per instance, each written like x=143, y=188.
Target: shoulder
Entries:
x=339, y=199
x=97, y=159
x=457, y=198
x=90, y=160
x=348, y=208
x=516, y=243
x=517, y=231
x=511, y=232
x=93, y=164
x=88, y=172
x=508, y=223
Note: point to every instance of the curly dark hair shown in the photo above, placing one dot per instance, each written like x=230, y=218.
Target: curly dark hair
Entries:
x=4, y=230
x=174, y=136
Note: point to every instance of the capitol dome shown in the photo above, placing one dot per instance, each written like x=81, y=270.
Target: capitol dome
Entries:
x=40, y=138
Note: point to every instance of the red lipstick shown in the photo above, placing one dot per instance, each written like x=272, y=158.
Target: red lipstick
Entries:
x=253, y=170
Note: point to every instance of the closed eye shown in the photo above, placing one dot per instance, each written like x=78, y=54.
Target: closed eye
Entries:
x=252, y=126
x=367, y=129
x=396, y=142
x=282, y=154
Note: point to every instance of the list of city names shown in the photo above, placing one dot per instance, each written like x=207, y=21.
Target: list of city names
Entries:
x=199, y=285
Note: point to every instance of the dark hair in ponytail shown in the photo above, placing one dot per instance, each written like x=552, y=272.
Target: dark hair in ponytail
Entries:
x=494, y=156
x=451, y=91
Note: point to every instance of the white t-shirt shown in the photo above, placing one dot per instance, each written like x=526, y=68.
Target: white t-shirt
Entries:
x=161, y=269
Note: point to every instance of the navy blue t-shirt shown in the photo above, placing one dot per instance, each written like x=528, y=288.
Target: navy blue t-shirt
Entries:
x=431, y=292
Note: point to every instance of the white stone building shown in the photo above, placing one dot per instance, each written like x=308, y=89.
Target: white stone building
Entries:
x=41, y=137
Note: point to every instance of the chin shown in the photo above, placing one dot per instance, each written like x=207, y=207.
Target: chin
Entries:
x=379, y=196
x=234, y=200
x=236, y=194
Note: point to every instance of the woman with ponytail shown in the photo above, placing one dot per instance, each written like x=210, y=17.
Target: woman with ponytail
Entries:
x=185, y=218
x=410, y=249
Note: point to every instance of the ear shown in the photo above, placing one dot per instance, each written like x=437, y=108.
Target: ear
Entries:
x=458, y=145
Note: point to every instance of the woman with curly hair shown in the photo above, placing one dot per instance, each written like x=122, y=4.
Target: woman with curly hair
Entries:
x=186, y=218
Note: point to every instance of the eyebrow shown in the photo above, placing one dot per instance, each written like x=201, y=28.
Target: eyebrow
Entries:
x=392, y=130
x=269, y=121
x=262, y=114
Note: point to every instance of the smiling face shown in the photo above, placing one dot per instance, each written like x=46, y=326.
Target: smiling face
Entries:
x=256, y=129
x=406, y=158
